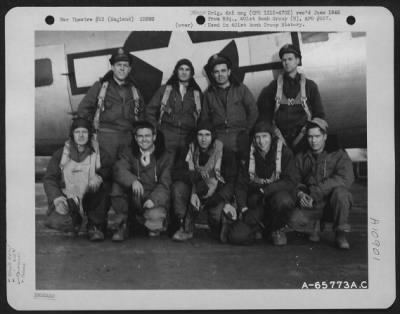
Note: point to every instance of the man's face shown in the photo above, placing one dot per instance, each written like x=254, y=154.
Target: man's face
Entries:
x=316, y=139
x=204, y=138
x=221, y=74
x=145, y=138
x=290, y=62
x=81, y=136
x=263, y=141
x=184, y=73
x=121, y=70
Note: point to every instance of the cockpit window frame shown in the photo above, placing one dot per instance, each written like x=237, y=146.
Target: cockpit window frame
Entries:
x=43, y=72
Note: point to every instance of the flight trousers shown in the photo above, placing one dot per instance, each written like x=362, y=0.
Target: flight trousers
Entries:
x=184, y=211
x=126, y=206
x=334, y=208
x=95, y=205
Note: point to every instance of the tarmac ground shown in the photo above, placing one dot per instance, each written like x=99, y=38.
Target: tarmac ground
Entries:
x=64, y=261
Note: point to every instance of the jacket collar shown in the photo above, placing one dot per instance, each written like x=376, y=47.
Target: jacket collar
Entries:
x=271, y=153
x=297, y=78
x=109, y=77
x=174, y=82
x=79, y=156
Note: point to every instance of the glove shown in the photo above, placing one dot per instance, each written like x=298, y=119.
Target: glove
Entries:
x=94, y=183
x=230, y=211
x=61, y=205
x=201, y=188
x=250, y=218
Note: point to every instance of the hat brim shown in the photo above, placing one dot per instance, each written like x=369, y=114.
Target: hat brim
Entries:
x=311, y=124
x=122, y=57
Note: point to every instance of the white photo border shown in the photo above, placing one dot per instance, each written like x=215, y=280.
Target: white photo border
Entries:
x=21, y=24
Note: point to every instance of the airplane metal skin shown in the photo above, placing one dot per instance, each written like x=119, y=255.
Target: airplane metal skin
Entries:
x=335, y=61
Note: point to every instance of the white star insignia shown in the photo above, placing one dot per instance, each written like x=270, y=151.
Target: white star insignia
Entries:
x=180, y=46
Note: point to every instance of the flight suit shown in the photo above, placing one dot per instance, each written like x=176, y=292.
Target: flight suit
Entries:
x=94, y=204
x=179, y=121
x=156, y=181
x=290, y=118
x=269, y=204
x=327, y=178
x=119, y=113
x=186, y=181
x=233, y=113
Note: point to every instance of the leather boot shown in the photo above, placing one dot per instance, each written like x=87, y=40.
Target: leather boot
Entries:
x=120, y=234
x=314, y=235
x=279, y=238
x=154, y=234
x=341, y=240
x=95, y=234
x=181, y=235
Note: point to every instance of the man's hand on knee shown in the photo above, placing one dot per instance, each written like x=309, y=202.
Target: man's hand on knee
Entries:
x=195, y=201
x=230, y=211
x=95, y=183
x=306, y=201
x=61, y=205
x=137, y=188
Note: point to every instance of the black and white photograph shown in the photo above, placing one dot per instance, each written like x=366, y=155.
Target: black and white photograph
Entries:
x=234, y=162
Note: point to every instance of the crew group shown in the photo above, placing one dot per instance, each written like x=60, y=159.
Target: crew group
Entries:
x=254, y=167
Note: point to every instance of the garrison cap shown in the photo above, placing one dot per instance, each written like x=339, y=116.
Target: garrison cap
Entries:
x=321, y=123
x=218, y=59
x=121, y=55
x=289, y=48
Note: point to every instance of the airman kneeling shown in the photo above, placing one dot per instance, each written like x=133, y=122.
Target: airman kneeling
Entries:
x=77, y=182
x=204, y=176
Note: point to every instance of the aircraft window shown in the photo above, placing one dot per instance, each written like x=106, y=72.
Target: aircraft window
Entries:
x=358, y=34
x=43, y=72
x=308, y=38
